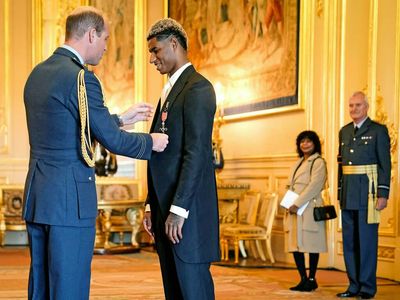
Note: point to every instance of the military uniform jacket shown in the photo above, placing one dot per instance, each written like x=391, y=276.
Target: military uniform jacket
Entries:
x=60, y=187
x=369, y=145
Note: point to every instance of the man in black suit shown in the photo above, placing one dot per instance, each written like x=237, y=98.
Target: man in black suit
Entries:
x=364, y=182
x=181, y=182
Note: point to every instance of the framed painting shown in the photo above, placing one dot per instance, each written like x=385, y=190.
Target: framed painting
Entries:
x=247, y=48
x=118, y=84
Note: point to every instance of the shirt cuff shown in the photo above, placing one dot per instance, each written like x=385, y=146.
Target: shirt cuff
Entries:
x=147, y=208
x=179, y=211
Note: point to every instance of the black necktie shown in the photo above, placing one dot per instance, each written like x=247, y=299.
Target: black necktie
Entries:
x=355, y=130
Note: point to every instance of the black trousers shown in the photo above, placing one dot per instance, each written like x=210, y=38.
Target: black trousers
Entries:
x=181, y=280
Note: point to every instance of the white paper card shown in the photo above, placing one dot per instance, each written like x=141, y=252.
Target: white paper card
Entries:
x=288, y=201
x=302, y=208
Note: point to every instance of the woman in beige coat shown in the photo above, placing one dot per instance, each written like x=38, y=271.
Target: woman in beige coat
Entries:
x=302, y=233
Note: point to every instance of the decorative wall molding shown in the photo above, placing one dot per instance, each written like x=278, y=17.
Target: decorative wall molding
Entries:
x=385, y=252
x=382, y=117
x=320, y=8
x=277, y=157
x=5, y=75
x=10, y=165
x=306, y=58
x=48, y=20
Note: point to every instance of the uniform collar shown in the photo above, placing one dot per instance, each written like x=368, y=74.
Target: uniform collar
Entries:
x=69, y=48
x=359, y=124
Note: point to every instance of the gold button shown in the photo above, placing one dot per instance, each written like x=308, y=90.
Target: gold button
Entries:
x=350, y=163
x=354, y=139
x=351, y=151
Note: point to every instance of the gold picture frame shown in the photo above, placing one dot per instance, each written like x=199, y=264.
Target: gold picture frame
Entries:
x=248, y=50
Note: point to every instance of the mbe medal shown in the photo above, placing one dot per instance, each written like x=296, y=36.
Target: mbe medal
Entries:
x=164, y=116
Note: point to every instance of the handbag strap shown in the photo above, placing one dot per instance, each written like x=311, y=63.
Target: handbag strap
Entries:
x=326, y=185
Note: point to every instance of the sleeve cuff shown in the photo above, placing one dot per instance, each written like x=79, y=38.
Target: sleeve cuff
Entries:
x=179, y=211
x=383, y=191
x=147, y=208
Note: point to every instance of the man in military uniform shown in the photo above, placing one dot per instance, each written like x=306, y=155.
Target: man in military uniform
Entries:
x=60, y=201
x=363, y=190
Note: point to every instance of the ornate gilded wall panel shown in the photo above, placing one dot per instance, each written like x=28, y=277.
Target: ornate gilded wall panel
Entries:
x=4, y=75
x=48, y=17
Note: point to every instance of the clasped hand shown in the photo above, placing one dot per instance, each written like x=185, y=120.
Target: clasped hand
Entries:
x=293, y=209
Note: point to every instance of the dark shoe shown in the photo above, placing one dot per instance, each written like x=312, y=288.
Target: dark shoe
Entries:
x=346, y=294
x=300, y=286
x=310, y=285
x=365, y=295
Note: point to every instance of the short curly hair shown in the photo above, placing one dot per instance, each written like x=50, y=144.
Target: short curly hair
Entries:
x=164, y=28
x=312, y=136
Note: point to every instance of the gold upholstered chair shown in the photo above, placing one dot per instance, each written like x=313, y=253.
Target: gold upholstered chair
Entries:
x=247, y=215
x=260, y=232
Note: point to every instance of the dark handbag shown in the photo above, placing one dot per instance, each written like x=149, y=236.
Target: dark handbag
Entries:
x=323, y=213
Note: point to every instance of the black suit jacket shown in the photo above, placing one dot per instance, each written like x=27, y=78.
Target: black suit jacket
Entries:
x=183, y=175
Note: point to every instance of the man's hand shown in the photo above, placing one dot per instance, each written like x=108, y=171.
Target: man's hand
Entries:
x=293, y=209
x=173, y=227
x=160, y=141
x=381, y=203
x=147, y=223
x=137, y=112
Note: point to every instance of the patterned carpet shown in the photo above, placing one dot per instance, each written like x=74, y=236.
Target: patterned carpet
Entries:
x=137, y=276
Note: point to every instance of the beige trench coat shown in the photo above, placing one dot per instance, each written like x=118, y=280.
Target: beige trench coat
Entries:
x=302, y=233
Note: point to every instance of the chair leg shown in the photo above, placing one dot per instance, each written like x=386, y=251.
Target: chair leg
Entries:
x=260, y=250
x=121, y=238
x=269, y=250
x=253, y=249
x=242, y=248
x=2, y=234
x=222, y=246
x=236, y=247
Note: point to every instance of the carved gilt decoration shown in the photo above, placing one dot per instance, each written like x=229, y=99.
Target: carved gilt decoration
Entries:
x=382, y=117
x=320, y=8
x=386, y=253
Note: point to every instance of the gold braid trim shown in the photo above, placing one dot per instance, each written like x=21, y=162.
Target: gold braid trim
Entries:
x=84, y=118
x=374, y=215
